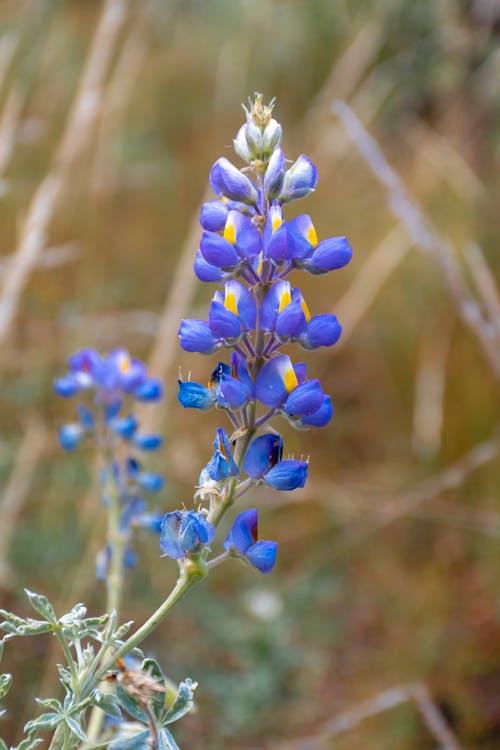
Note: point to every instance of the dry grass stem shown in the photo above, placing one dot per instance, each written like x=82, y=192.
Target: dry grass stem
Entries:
x=47, y=196
x=416, y=693
x=16, y=489
x=422, y=233
x=119, y=92
x=8, y=44
x=485, y=284
x=430, y=388
x=9, y=124
x=52, y=257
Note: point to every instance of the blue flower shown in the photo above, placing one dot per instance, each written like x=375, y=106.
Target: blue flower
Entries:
x=284, y=312
x=184, y=533
x=222, y=465
x=263, y=461
x=195, y=395
x=242, y=540
x=300, y=180
x=197, y=336
x=227, y=180
x=311, y=255
x=144, y=479
x=223, y=390
x=213, y=215
x=275, y=174
x=239, y=242
x=278, y=386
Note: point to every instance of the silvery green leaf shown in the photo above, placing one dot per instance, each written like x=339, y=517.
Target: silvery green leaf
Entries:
x=122, y=630
x=49, y=703
x=43, y=722
x=1, y=654
x=3, y=746
x=29, y=743
x=166, y=741
x=34, y=627
x=9, y=628
x=42, y=605
x=64, y=675
x=5, y=684
x=183, y=703
x=108, y=702
x=75, y=727
x=129, y=704
x=137, y=742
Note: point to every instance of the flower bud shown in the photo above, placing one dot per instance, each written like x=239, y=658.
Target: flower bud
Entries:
x=300, y=180
x=241, y=145
x=271, y=136
x=228, y=181
x=275, y=174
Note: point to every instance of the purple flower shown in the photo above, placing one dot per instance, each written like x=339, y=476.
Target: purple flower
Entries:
x=300, y=180
x=311, y=255
x=184, y=533
x=239, y=242
x=277, y=386
x=222, y=465
x=227, y=180
x=242, y=540
x=263, y=461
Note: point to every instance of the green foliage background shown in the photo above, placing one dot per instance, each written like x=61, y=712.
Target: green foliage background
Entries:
x=351, y=609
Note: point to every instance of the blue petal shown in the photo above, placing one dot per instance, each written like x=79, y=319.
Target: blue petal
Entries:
x=125, y=427
x=213, y=215
x=70, y=436
x=147, y=442
x=275, y=381
x=300, y=180
x=262, y=556
x=321, y=417
x=169, y=535
x=228, y=181
x=196, y=336
x=204, y=271
x=329, y=255
x=305, y=399
x=217, y=251
x=302, y=238
x=67, y=386
x=277, y=247
x=223, y=323
x=322, y=330
x=150, y=390
x=148, y=481
x=287, y=475
x=87, y=420
x=230, y=392
x=291, y=321
x=243, y=533
x=239, y=370
x=275, y=173
x=247, y=239
x=264, y=452
x=195, y=396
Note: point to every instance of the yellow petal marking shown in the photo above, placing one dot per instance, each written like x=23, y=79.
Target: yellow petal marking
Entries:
x=229, y=232
x=230, y=303
x=277, y=221
x=312, y=236
x=124, y=365
x=305, y=309
x=259, y=267
x=290, y=380
x=285, y=299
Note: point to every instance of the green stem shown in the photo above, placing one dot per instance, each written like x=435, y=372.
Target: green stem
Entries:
x=191, y=574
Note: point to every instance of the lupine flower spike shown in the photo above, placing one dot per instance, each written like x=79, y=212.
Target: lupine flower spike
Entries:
x=248, y=248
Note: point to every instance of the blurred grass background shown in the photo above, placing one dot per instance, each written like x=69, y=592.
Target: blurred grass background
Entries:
x=388, y=569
